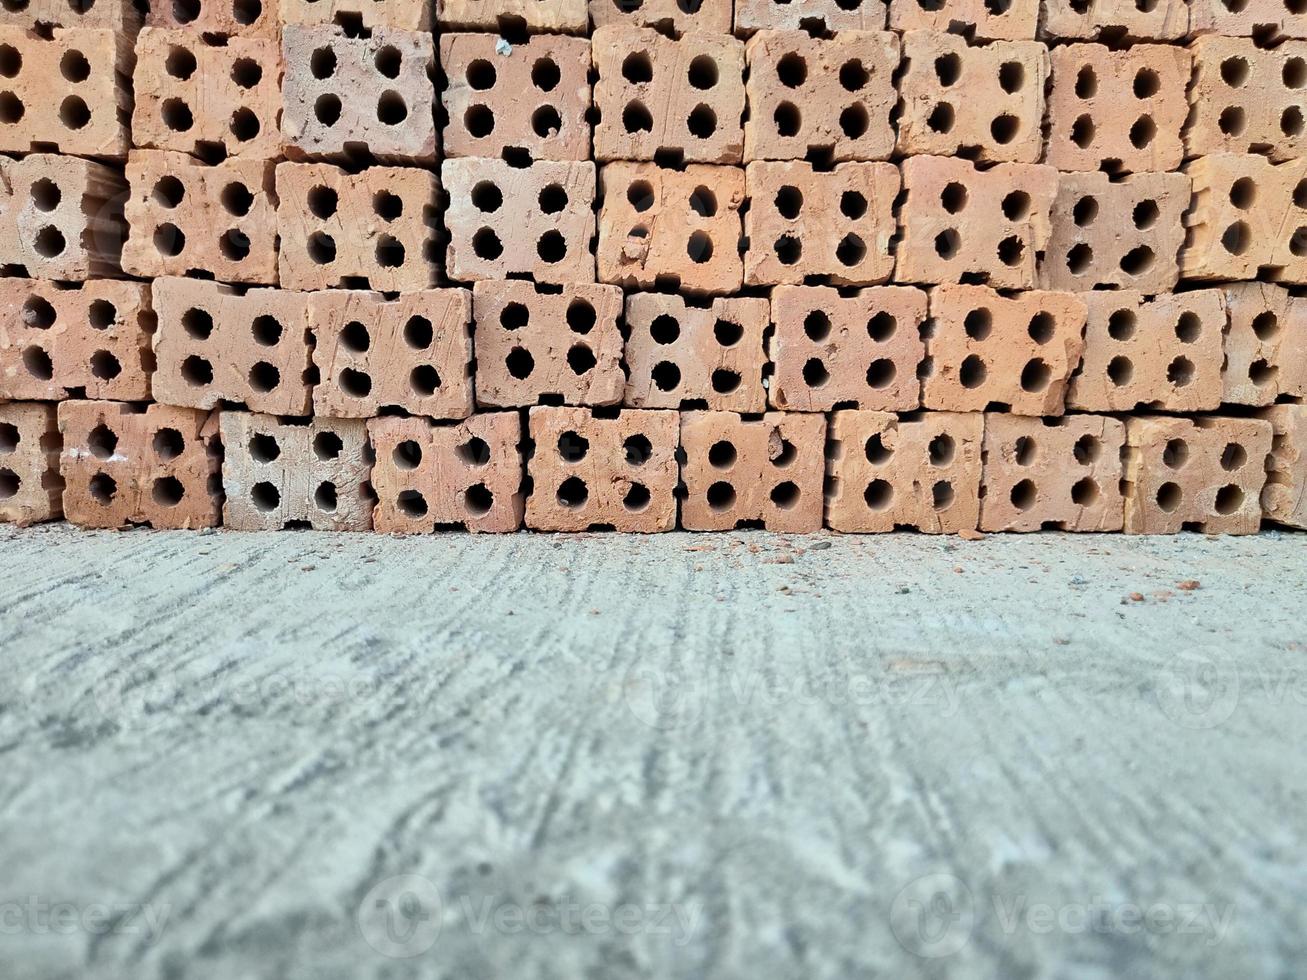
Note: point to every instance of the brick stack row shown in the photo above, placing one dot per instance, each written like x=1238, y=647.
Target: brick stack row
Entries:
x=379, y=264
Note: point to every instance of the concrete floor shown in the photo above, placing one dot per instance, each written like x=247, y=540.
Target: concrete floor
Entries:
x=334, y=756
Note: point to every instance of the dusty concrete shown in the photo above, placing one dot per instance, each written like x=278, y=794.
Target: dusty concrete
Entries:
x=627, y=756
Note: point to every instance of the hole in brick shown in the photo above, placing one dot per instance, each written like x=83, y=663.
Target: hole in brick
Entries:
x=514, y=316
x=785, y=495
x=323, y=201
x=1082, y=131
x=727, y=334
x=941, y=118
x=703, y=202
x=703, y=72
x=787, y=119
x=973, y=372
x=878, y=494
x=105, y=366
x=185, y=11
x=953, y=198
x=1180, y=372
x=1146, y=83
x=322, y=63
x=486, y=244
x=947, y=243
x=636, y=118
x=1138, y=260
x=572, y=492
x=722, y=455
x=481, y=75
x=1266, y=325
x=881, y=373
x=479, y=121
x=1294, y=72
x=666, y=376
x=474, y=452
x=45, y=195
x=853, y=205
x=49, y=242
x=520, y=363
x=246, y=11
x=1233, y=457
x=11, y=61
x=553, y=199
x=1234, y=72
x=487, y=197
x=327, y=109
x=325, y=497
x=948, y=69
x=103, y=488
x=265, y=497
x=411, y=504
x=851, y=250
x=580, y=359
x=814, y=373
x=1085, y=211
x=699, y=247
x=406, y=455
x=1084, y=492
x=942, y=495
x=978, y=323
x=322, y=248
x=881, y=327
x=390, y=251
x=876, y=451
x=101, y=314
x=1120, y=370
x=788, y=249
x=477, y=500
x=167, y=491
x=1086, y=82
x=246, y=72
x=264, y=377
x=424, y=380
x=853, y=121
x=168, y=444
x=418, y=332
x=11, y=108
x=1041, y=327
x=1229, y=499
x=724, y=382
x=1004, y=128
x=74, y=66
x=637, y=498
x=101, y=442
x=545, y=74
x=37, y=363
x=572, y=446
x=1035, y=376
x=176, y=115
x=853, y=75
x=1298, y=243
x=388, y=60
x=942, y=449
x=1145, y=214
x=263, y=448
x=791, y=70
x=640, y=195
x=235, y=197
x=1087, y=449
x=1079, y=259
x=38, y=313
x=721, y=496
x=1188, y=327
x=1023, y=495
x=168, y=239
x=1232, y=120
x=552, y=247
x=354, y=337
x=546, y=122
x=789, y=201
x=356, y=384
x=391, y=108
x=1291, y=122
x=1121, y=325
x=234, y=245
x=787, y=455
x=580, y=316
x=180, y=63
x=637, y=68
x=817, y=325
x=702, y=122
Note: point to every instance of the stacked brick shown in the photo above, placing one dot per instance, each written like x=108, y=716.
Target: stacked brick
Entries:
x=403, y=266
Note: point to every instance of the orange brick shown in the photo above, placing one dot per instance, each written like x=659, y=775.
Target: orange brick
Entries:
x=229, y=18
x=1267, y=20
x=513, y=16
x=1284, y=499
x=1004, y=20
x=672, y=17
x=822, y=16
x=1115, y=20
x=1248, y=99
x=1265, y=344
x=407, y=15
x=31, y=488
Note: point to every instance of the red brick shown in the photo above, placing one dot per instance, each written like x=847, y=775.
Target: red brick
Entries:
x=1265, y=344
x=513, y=16
x=118, y=15
x=1248, y=99
x=803, y=223
x=1248, y=219
x=885, y=472
x=87, y=339
x=1267, y=20
x=1007, y=20
x=862, y=349
x=277, y=474
x=741, y=471
x=228, y=18
x=60, y=217
x=430, y=476
x=1206, y=473
x=824, y=16
x=531, y=97
x=987, y=100
x=372, y=228
x=533, y=343
x=512, y=221
x=342, y=94
x=660, y=96
x=684, y=353
x=1118, y=110
x=1284, y=498
x=1162, y=353
x=1092, y=246
x=1063, y=474
x=1115, y=20
x=984, y=348
x=406, y=15
x=673, y=17
x=220, y=344
x=818, y=96
x=669, y=228
x=958, y=220
x=412, y=352
x=176, y=229
x=589, y=470
x=203, y=96
x=64, y=92
x=126, y=464
x=31, y=489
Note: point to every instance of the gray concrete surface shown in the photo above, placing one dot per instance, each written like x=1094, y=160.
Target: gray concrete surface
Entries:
x=332, y=756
